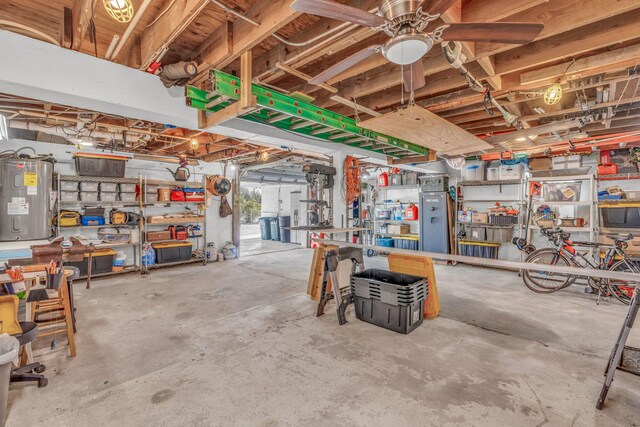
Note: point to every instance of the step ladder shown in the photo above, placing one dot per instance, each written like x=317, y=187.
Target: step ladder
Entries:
x=623, y=357
x=342, y=295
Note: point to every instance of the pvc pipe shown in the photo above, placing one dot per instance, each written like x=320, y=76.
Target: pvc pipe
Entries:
x=130, y=28
x=112, y=46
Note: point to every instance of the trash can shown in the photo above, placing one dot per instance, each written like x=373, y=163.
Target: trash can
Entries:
x=9, y=349
x=265, y=227
x=285, y=234
x=275, y=228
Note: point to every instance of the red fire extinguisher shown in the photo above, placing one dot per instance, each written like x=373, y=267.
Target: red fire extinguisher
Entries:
x=411, y=213
x=383, y=180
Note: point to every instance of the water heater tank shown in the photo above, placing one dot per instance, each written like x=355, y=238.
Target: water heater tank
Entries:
x=25, y=206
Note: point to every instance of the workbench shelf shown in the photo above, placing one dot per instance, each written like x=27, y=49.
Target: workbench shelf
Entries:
x=170, y=264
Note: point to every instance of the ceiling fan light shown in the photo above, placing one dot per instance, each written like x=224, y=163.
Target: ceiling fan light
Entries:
x=120, y=10
x=194, y=143
x=553, y=94
x=407, y=49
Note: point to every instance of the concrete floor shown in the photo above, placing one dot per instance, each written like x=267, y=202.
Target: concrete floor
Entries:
x=237, y=343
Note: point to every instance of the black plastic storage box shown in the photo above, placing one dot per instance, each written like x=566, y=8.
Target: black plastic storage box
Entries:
x=100, y=165
x=621, y=217
x=172, y=252
x=101, y=262
x=393, y=301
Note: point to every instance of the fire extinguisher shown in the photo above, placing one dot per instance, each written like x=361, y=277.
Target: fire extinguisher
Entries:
x=383, y=180
x=411, y=213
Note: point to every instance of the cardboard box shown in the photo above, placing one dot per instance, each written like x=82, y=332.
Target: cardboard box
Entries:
x=540, y=164
x=398, y=229
x=480, y=218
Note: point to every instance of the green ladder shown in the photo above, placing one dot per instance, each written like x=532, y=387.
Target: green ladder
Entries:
x=295, y=115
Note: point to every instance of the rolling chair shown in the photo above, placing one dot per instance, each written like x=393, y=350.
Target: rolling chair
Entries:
x=24, y=332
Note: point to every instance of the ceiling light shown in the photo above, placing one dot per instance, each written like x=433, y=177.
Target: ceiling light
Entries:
x=194, y=143
x=85, y=144
x=407, y=48
x=264, y=156
x=120, y=10
x=553, y=94
x=233, y=166
x=365, y=174
x=521, y=139
x=4, y=132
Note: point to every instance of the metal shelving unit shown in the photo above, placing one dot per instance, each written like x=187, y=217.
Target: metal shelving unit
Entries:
x=146, y=207
x=137, y=253
x=460, y=202
x=614, y=202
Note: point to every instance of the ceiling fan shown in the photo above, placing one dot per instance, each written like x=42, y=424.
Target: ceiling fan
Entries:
x=405, y=22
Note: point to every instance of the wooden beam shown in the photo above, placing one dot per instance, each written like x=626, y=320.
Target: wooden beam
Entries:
x=66, y=30
x=496, y=10
x=559, y=16
x=432, y=157
x=580, y=65
x=454, y=15
x=271, y=14
x=304, y=76
x=81, y=15
x=488, y=64
x=355, y=105
x=247, y=100
x=230, y=112
x=168, y=27
x=220, y=43
x=134, y=58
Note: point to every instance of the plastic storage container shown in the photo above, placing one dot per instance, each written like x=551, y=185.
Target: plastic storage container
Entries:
x=127, y=197
x=68, y=186
x=89, y=196
x=151, y=197
x=393, y=301
x=131, y=188
x=499, y=234
x=100, y=165
x=108, y=197
x=474, y=171
x=434, y=183
x=475, y=232
x=508, y=172
x=68, y=196
x=410, y=178
x=479, y=250
x=384, y=241
x=275, y=228
x=621, y=217
x=89, y=186
x=265, y=228
x=101, y=262
x=503, y=219
x=395, y=179
x=172, y=252
x=9, y=350
x=108, y=186
x=493, y=173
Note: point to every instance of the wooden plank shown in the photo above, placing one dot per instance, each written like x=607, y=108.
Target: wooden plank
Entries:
x=410, y=160
x=220, y=43
x=230, y=112
x=66, y=30
x=81, y=15
x=488, y=64
x=452, y=16
x=271, y=14
x=168, y=27
x=422, y=127
x=246, y=73
x=580, y=65
x=355, y=105
x=304, y=76
x=496, y=10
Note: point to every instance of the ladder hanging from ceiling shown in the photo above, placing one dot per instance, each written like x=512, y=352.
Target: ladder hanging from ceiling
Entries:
x=296, y=115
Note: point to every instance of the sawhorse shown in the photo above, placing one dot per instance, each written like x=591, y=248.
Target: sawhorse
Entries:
x=343, y=296
x=623, y=357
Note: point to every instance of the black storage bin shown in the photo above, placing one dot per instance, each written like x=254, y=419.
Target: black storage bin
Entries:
x=101, y=262
x=397, y=318
x=388, y=287
x=265, y=228
x=503, y=219
x=621, y=217
x=172, y=252
x=285, y=234
x=80, y=265
x=88, y=165
x=275, y=228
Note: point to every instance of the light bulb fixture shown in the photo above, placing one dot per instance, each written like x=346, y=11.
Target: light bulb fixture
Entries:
x=407, y=48
x=194, y=143
x=120, y=10
x=365, y=174
x=264, y=156
x=553, y=94
x=233, y=166
x=4, y=132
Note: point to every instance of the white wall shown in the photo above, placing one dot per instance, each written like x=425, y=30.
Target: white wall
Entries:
x=218, y=229
x=276, y=199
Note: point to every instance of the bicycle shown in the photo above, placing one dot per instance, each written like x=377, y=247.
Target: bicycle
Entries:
x=563, y=253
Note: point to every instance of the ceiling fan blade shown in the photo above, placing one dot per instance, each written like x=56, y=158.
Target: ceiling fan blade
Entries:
x=413, y=76
x=344, y=65
x=436, y=7
x=343, y=12
x=495, y=32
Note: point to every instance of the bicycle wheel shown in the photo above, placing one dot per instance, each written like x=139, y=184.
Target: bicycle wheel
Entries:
x=622, y=289
x=544, y=281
